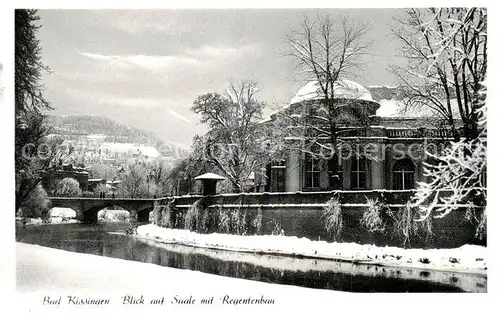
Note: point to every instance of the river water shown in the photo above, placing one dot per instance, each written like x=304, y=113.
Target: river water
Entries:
x=109, y=239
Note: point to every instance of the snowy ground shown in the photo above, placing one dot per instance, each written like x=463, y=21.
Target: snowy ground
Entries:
x=46, y=272
x=468, y=258
x=43, y=269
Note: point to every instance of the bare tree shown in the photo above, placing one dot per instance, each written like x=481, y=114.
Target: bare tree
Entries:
x=157, y=178
x=327, y=50
x=236, y=144
x=134, y=184
x=446, y=49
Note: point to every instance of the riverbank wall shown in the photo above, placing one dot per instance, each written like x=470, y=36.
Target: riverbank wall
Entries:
x=301, y=214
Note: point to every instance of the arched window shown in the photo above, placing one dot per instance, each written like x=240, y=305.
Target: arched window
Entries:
x=358, y=172
x=403, y=175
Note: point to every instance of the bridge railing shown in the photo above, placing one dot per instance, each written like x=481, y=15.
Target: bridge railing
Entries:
x=98, y=198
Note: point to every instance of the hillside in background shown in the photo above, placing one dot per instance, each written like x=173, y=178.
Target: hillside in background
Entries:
x=115, y=132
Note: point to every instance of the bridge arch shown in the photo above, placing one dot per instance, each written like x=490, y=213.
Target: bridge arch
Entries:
x=90, y=215
x=75, y=206
x=139, y=213
x=143, y=215
x=60, y=210
x=87, y=208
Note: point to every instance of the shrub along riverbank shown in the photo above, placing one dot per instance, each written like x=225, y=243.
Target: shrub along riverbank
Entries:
x=364, y=218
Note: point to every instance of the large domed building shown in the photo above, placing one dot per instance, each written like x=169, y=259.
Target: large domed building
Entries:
x=382, y=148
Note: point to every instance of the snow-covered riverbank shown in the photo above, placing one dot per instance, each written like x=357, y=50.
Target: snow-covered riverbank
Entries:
x=468, y=258
x=46, y=272
x=41, y=269
x=56, y=215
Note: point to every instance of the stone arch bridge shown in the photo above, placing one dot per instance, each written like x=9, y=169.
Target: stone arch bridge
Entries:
x=87, y=208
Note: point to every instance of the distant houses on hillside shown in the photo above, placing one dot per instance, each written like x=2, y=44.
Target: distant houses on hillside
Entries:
x=68, y=170
x=82, y=176
x=94, y=148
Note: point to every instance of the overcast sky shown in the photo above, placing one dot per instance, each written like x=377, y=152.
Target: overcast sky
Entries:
x=144, y=68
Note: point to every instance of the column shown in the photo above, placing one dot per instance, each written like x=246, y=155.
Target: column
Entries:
x=324, y=178
x=293, y=169
x=346, y=174
x=377, y=168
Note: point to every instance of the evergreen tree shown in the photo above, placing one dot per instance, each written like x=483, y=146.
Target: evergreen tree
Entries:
x=34, y=152
x=28, y=63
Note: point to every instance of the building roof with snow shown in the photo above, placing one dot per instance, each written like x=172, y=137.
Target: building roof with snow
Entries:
x=209, y=176
x=384, y=104
x=396, y=108
x=343, y=89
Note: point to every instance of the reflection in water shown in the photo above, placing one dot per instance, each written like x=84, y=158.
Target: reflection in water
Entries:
x=100, y=240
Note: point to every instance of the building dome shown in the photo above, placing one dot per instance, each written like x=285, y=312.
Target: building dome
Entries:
x=343, y=89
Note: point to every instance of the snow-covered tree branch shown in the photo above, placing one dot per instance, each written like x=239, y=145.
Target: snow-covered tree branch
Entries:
x=446, y=50
x=457, y=177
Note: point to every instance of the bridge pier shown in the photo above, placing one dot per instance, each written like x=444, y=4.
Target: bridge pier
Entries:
x=133, y=215
x=79, y=213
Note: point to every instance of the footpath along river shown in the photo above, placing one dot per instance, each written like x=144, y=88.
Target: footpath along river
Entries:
x=109, y=239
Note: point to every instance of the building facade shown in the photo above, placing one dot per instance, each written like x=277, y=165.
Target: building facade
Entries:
x=81, y=175
x=379, y=147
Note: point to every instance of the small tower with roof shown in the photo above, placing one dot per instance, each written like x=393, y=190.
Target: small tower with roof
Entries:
x=209, y=182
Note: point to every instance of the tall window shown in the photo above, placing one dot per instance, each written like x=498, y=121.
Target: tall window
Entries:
x=311, y=171
x=403, y=175
x=358, y=172
x=278, y=176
